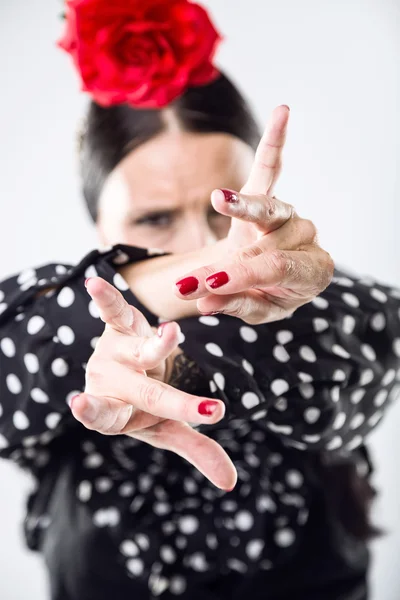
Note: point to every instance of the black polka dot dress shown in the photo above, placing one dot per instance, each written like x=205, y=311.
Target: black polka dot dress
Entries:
x=114, y=517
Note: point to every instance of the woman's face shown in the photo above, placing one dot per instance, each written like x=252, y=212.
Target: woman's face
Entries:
x=159, y=195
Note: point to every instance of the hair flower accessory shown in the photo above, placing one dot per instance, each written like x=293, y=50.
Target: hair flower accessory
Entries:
x=144, y=53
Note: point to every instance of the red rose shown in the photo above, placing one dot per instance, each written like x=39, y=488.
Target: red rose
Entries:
x=142, y=52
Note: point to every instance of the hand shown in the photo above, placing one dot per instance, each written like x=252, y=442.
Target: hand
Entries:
x=274, y=263
x=126, y=390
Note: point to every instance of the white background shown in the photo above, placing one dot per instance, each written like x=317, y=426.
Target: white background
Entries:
x=335, y=63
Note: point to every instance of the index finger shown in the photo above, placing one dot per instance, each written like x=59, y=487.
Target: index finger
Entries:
x=268, y=159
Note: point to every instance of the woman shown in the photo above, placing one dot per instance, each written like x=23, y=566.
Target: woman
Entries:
x=112, y=515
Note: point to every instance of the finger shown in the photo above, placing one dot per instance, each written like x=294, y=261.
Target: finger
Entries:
x=114, y=309
x=149, y=395
x=144, y=353
x=268, y=158
x=201, y=451
x=108, y=416
x=304, y=271
x=248, y=306
x=265, y=212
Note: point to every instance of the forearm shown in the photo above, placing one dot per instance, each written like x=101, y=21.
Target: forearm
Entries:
x=152, y=281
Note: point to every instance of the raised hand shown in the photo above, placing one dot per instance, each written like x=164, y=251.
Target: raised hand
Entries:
x=127, y=392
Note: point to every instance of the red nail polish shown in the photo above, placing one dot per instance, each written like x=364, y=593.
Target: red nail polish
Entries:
x=230, y=196
x=217, y=280
x=207, y=407
x=161, y=328
x=86, y=281
x=187, y=286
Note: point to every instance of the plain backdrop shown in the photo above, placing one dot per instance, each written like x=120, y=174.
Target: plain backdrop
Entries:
x=335, y=63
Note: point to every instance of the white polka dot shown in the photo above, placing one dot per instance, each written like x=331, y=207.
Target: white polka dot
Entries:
x=3, y=442
x=381, y=397
x=335, y=443
x=357, y=395
x=388, y=377
x=121, y=258
x=168, y=554
x=254, y=549
x=320, y=302
x=281, y=354
x=349, y=323
x=312, y=414
x=294, y=478
x=214, y=349
x=142, y=541
x=307, y=354
x=188, y=524
x=219, y=380
x=248, y=334
x=209, y=320
x=31, y=363
x=106, y=517
x=20, y=317
x=198, y=562
x=181, y=337
x=94, y=460
x=250, y=399
x=26, y=275
x=66, y=335
x=306, y=377
x=335, y=393
x=13, y=383
x=357, y=421
x=320, y=325
x=93, y=342
x=281, y=403
x=284, y=537
x=378, y=295
x=311, y=439
x=284, y=337
x=59, y=367
x=39, y=396
x=357, y=441
x=8, y=347
x=244, y=520
x=35, y=324
x=283, y=429
x=129, y=548
x=374, y=420
x=279, y=387
x=368, y=352
x=93, y=310
x=340, y=351
x=247, y=367
x=1, y=295
x=306, y=390
x=260, y=414
x=339, y=375
x=351, y=299
x=343, y=281
x=366, y=377
x=52, y=420
x=126, y=489
x=135, y=566
x=177, y=585
x=61, y=270
x=396, y=347
x=90, y=272
x=66, y=297
x=378, y=322
x=120, y=282
x=85, y=491
x=20, y=420
x=339, y=421
x=213, y=386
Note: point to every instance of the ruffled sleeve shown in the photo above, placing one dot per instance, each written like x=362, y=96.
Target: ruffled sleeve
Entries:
x=321, y=379
x=46, y=339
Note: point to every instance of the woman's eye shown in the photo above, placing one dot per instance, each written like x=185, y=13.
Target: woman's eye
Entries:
x=161, y=219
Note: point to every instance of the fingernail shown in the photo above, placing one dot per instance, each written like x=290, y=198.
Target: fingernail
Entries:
x=231, y=489
x=207, y=407
x=71, y=402
x=288, y=107
x=161, y=328
x=86, y=281
x=217, y=280
x=187, y=286
x=91, y=410
x=230, y=195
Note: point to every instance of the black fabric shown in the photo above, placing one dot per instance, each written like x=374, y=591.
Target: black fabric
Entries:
x=115, y=517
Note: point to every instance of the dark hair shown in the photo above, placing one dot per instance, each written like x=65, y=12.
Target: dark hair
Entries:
x=109, y=134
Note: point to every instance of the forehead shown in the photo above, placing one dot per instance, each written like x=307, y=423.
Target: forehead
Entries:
x=184, y=166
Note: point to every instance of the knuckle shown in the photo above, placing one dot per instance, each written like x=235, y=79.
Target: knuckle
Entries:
x=151, y=396
x=309, y=230
x=94, y=372
x=281, y=263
